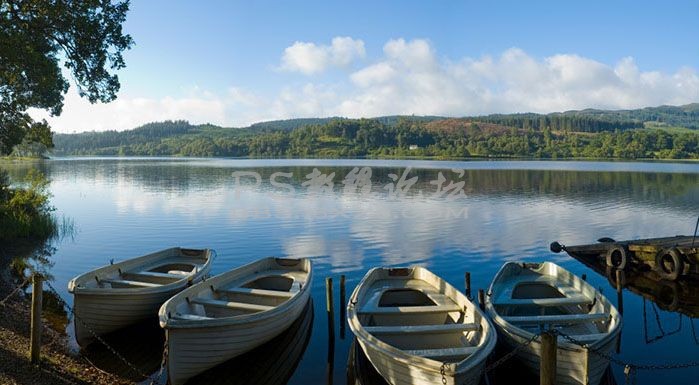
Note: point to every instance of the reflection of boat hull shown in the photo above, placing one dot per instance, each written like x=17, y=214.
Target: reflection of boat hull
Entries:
x=111, y=297
x=141, y=344
x=359, y=369
x=415, y=328
x=526, y=298
x=224, y=317
x=270, y=364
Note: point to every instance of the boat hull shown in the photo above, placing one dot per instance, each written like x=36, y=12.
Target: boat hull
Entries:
x=101, y=310
x=102, y=314
x=194, y=350
x=517, y=302
x=200, y=337
x=424, y=352
x=399, y=372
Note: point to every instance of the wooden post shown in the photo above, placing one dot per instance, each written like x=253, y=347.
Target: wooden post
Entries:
x=619, y=291
x=620, y=277
x=549, y=345
x=330, y=306
x=343, y=306
x=467, y=283
x=35, y=337
x=481, y=298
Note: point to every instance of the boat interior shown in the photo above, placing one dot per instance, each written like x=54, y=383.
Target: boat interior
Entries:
x=533, y=301
x=163, y=271
x=417, y=317
x=253, y=293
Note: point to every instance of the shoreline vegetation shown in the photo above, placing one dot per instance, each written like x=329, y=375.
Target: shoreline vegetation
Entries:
x=669, y=133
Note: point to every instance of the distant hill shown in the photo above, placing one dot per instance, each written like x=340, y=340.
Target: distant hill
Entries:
x=584, y=133
x=288, y=124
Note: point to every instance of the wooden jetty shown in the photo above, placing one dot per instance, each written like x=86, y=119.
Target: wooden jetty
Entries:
x=681, y=296
x=670, y=257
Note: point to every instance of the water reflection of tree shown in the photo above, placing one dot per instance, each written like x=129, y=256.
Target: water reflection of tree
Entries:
x=678, y=190
x=20, y=260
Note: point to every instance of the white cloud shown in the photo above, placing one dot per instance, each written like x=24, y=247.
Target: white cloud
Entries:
x=408, y=78
x=310, y=58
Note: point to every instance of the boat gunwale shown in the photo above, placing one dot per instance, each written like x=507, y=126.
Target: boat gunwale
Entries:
x=167, y=322
x=427, y=364
x=512, y=329
x=75, y=289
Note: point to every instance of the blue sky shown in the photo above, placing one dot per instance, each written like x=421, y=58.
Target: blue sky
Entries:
x=235, y=62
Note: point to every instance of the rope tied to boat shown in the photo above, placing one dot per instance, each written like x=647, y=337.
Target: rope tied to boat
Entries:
x=163, y=362
x=123, y=359
x=17, y=289
x=511, y=354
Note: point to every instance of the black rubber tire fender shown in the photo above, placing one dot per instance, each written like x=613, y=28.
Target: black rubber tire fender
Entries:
x=675, y=270
x=617, y=257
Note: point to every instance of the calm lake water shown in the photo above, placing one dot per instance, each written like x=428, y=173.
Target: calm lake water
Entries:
x=509, y=210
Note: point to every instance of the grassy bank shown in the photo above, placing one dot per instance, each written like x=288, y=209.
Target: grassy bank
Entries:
x=25, y=212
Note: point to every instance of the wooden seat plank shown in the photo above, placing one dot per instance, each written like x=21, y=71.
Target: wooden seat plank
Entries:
x=125, y=282
x=258, y=292
x=191, y=317
x=443, y=353
x=422, y=329
x=230, y=304
x=558, y=319
x=409, y=309
x=153, y=274
x=570, y=300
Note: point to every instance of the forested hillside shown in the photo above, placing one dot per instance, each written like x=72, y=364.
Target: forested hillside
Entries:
x=646, y=133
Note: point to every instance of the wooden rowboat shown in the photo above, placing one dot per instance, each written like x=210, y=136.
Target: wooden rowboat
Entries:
x=124, y=293
x=527, y=298
x=417, y=329
x=232, y=313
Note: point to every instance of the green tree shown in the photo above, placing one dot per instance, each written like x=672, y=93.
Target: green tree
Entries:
x=36, y=36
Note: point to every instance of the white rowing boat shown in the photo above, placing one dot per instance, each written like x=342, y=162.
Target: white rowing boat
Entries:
x=232, y=313
x=124, y=293
x=527, y=298
x=417, y=329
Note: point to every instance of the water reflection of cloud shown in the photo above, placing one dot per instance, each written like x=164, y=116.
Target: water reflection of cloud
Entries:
x=341, y=255
x=397, y=231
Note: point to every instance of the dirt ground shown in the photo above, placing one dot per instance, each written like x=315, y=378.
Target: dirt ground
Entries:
x=58, y=365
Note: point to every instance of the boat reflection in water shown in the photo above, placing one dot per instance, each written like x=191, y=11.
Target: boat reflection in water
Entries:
x=361, y=372
x=270, y=364
x=142, y=344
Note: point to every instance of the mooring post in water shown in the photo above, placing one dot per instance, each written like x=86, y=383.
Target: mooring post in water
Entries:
x=481, y=299
x=547, y=369
x=330, y=306
x=467, y=284
x=620, y=276
x=342, y=306
x=35, y=337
